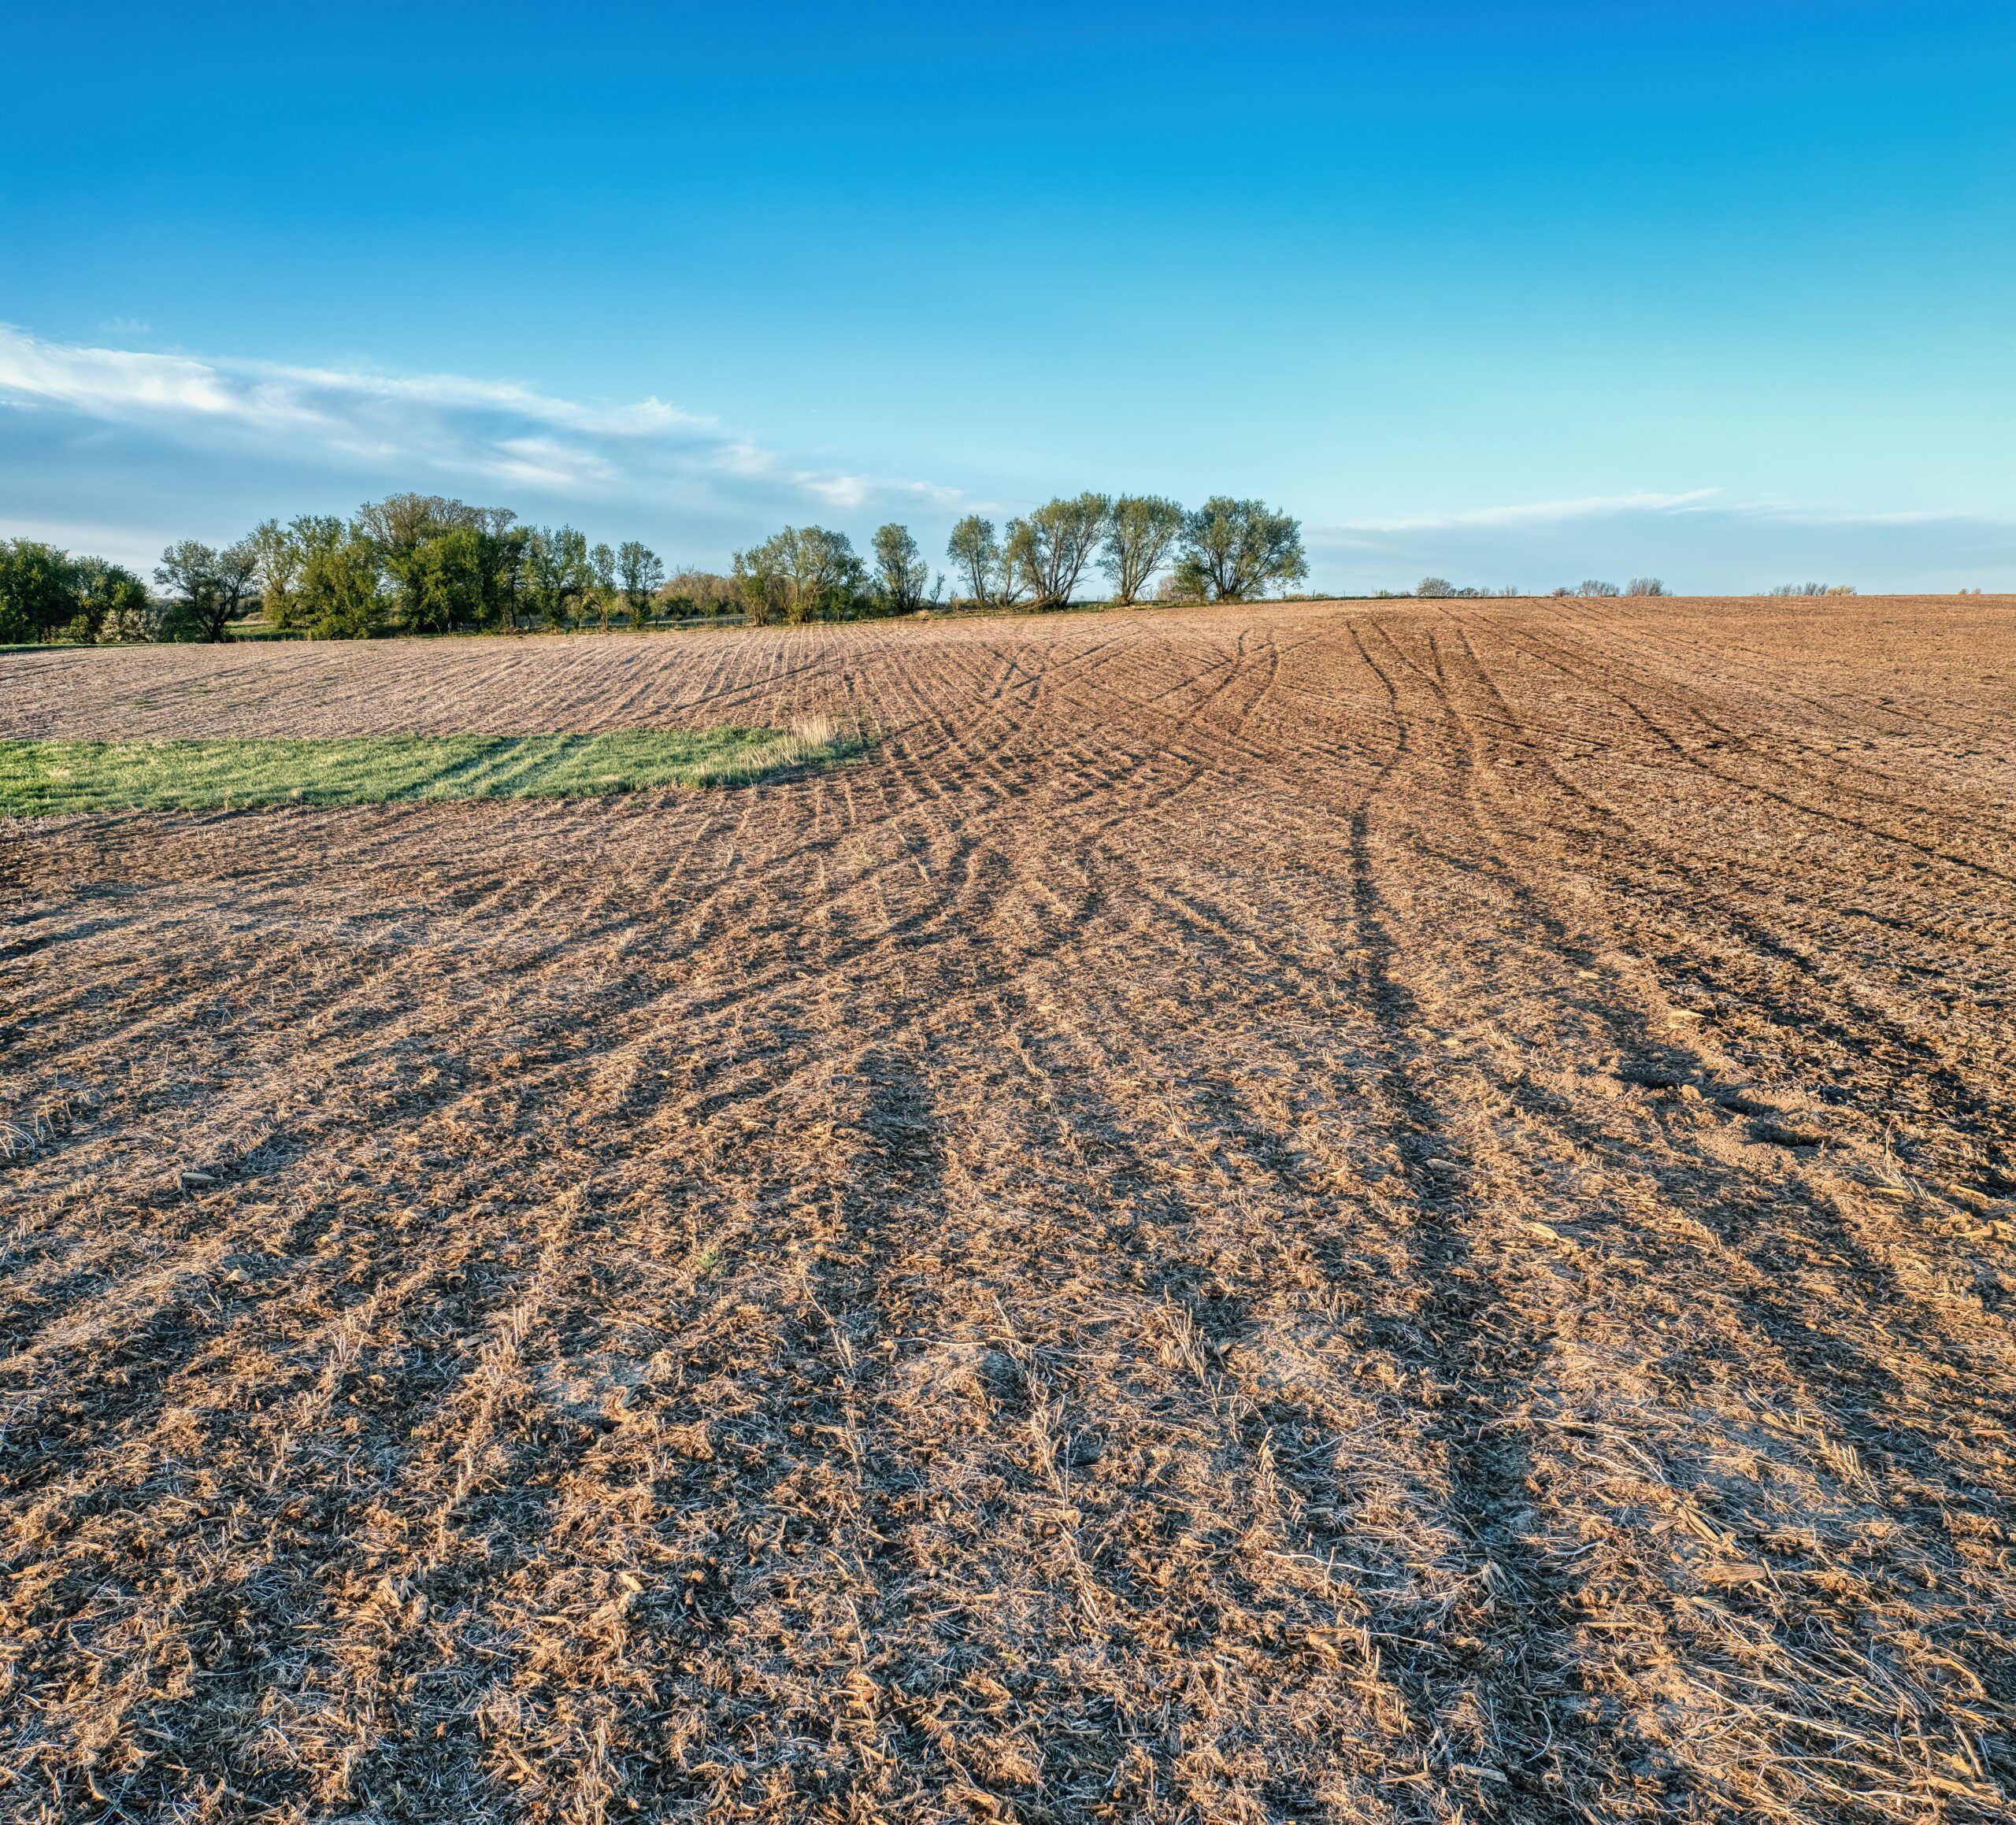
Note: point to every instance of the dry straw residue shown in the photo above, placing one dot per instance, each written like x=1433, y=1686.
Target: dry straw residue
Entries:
x=1390, y=1213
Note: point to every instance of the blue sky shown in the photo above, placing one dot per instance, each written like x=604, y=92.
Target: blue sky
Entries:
x=1513, y=293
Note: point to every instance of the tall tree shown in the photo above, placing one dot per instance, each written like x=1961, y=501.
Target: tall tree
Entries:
x=39, y=591
x=115, y=602
x=443, y=586
x=974, y=551
x=1050, y=548
x=342, y=582
x=280, y=550
x=1138, y=533
x=901, y=573
x=405, y=530
x=602, y=590
x=1235, y=550
x=209, y=587
x=641, y=572
x=502, y=542
x=803, y=573
x=762, y=584
x=557, y=573
x=400, y=522
x=825, y=574
x=238, y=577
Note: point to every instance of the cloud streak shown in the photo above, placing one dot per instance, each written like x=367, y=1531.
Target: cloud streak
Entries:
x=1532, y=512
x=455, y=430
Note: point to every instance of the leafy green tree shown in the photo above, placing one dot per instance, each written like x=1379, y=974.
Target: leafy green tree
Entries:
x=602, y=587
x=115, y=604
x=342, y=593
x=1049, y=551
x=761, y=584
x=802, y=573
x=47, y=594
x=901, y=573
x=430, y=580
x=443, y=582
x=209, y=587
x=402, y=522
x=828, y=578
x=39, y=591
x=557, y=573
x=294, y=569
x=280, y=550
x=502, y=542
x=974, y=551
x=238, y=577
x=640, y=571
x=1235, y=550
x=1138, y=533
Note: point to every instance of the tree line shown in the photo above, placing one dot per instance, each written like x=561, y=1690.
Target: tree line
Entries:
x=1440, y=589
x=424, y=563
x=409, y=564
x=1226, y=550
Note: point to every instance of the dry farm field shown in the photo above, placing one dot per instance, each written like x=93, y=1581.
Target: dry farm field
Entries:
x=1322, y=1212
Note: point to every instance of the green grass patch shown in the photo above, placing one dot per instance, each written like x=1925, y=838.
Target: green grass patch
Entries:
x=43, y=778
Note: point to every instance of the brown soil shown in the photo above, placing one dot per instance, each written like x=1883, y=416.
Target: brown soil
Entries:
x=1392, y=1212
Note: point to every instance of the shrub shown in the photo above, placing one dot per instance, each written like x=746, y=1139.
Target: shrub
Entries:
x=1645, y=586
x=692, y=591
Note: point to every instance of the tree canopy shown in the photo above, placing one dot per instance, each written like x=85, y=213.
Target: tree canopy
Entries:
x=1234, y=550
x=47, y=594
x=416, y=563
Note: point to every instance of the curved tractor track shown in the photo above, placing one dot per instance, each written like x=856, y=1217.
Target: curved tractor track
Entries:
x=1344, y=1212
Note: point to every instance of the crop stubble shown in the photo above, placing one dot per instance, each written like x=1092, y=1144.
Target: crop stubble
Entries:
x=1389, y=1212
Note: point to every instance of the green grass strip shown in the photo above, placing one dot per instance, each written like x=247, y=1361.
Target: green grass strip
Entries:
x=43, y=778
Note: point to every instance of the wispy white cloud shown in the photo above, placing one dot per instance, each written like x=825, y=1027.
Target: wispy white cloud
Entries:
x=1532, y=512
x=429, y=429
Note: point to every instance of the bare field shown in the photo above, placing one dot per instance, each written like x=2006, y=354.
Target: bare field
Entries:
x=1392, y=1212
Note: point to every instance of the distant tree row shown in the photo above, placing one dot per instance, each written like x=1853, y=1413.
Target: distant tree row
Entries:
x=47, y=594
x=1441, y=588
x=409, y=564
x=1226, y=550
x=423, y=564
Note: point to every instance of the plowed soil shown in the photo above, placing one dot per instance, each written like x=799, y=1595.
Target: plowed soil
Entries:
x=1363, y=1211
